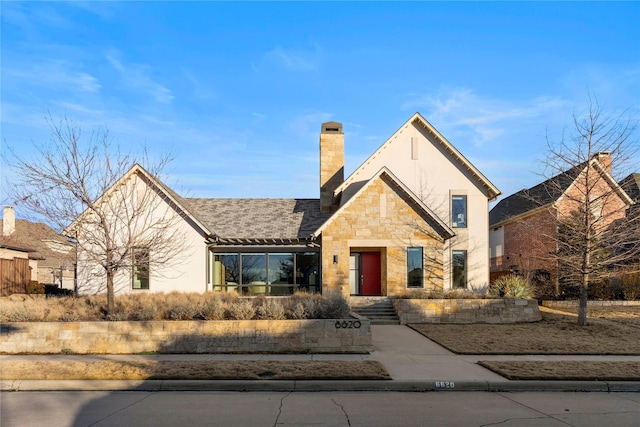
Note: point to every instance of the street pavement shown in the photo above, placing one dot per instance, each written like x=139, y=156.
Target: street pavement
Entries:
x=414, y=362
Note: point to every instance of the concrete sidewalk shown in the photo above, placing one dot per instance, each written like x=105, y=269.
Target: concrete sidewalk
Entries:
x=414, y=362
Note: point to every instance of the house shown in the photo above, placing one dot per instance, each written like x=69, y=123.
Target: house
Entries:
x=413, y=215
x=51, y=255
x=523, y=226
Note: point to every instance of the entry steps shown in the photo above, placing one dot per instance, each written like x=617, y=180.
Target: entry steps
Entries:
x=379, y=310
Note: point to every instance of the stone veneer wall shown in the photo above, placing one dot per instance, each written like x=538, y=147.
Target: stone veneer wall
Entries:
x=467, y=310
x=382, y=219
x=576, y=303
x=227, y=336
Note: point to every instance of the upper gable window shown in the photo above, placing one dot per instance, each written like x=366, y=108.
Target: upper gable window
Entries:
x=459, y=211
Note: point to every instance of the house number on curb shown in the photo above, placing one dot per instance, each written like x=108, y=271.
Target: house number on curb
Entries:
x=445, y=384
x=350, y=324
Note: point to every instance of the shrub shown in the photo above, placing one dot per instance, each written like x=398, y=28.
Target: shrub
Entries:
x=70, y=316
x=270, y=309
x=441, y=294
x=182, y=312
x=333, y=305
x=512, y=286
x=213, y=309
x=242, y=310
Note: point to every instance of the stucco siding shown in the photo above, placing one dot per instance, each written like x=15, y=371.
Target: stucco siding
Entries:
x=434, y=175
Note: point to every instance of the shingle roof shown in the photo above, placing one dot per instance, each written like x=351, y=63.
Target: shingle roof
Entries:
x=43, y=240
x=631, y=185
x=528, y=199
x=259, y=218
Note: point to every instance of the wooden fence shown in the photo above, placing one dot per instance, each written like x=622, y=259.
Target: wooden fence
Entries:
x=14, y=276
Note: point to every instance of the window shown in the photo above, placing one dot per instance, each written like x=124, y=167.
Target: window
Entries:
x=459, y=211
x=459, y=269
x=270, y=273
x=140, y=279
x=415, y=272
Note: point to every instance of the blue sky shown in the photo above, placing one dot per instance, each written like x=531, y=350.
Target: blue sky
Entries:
x=238, y=90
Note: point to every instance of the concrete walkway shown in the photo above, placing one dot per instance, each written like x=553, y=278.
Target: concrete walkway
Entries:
x=414, y=362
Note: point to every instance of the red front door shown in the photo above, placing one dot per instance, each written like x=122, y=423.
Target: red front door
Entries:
x=370, y=283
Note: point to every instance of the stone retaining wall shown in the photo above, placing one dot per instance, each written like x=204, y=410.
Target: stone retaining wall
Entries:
x=575, y=303
x=466, y=310
x=226, y=336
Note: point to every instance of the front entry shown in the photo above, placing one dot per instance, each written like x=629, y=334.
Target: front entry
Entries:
x=364, y=274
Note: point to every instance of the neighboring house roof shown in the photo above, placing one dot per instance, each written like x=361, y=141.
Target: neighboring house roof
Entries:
x=440, y=227
x=546, y=193
x=42, y=241
x=7, y=243
x=631, y=185
x=256, y=220
x=492, y=190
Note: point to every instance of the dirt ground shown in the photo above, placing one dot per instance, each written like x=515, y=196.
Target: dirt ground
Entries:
x=566, y=370
x=616, y=332
x=610, y=331
x=193, y=370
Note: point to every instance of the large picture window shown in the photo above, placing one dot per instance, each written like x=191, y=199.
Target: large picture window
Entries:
x=415, y=272
x=265, y=273
x=459, y=211
x=140, y=273
x=459, y=269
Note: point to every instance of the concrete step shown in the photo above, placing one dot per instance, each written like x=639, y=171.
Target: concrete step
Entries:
x=379, y=310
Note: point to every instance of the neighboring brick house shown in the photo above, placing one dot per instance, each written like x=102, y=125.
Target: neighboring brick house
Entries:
x=51, y=255
x=413, y=215
x=523, y=226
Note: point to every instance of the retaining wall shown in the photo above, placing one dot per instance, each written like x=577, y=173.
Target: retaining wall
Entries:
x=467, y=310
x=226, y=336
x=576, y=303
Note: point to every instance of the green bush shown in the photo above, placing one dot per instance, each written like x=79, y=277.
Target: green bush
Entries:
x=512, y=286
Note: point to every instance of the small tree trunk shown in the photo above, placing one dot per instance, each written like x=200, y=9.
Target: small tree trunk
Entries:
x=584, y=290
x=111, y=305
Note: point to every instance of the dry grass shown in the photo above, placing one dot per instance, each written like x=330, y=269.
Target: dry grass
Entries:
x=173, y=306
x=557, y=333
x=193, y=370
x=565, y=370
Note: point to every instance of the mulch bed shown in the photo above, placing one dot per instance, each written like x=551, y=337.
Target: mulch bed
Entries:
x=193, y=370
x=565, y=370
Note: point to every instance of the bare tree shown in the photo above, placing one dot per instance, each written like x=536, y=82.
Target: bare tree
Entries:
x=115, y=210
x=593, y=237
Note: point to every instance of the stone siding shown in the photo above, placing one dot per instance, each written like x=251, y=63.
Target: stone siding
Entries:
x=466, y=310
x=381, y=219
x=226, y=336
x=576, y=303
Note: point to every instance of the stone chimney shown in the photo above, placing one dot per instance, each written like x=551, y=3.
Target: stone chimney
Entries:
x=8, y=221
x=605, y=160
x=331, y=163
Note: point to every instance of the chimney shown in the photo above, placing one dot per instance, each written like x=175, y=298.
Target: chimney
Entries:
x=604, y=158
x=8, y=221
x=331, y=163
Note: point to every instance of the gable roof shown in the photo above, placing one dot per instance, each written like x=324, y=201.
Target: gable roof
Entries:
x=631, y=185
x=492, y=190
x=260, y=220
x=41, y=241
x=442, y=228
x=547, y=193
x=136, y=169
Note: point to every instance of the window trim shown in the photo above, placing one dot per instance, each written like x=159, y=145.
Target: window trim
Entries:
x=135, y=266
x=465, y=270
x=454, y=224
x=421, y=250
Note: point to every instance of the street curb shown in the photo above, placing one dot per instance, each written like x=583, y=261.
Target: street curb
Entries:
x=319, y=386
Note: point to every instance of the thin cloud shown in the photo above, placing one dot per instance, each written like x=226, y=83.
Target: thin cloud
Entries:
x=485, y=119
x=53, y=74
x=296, y=61
x=137, y=77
